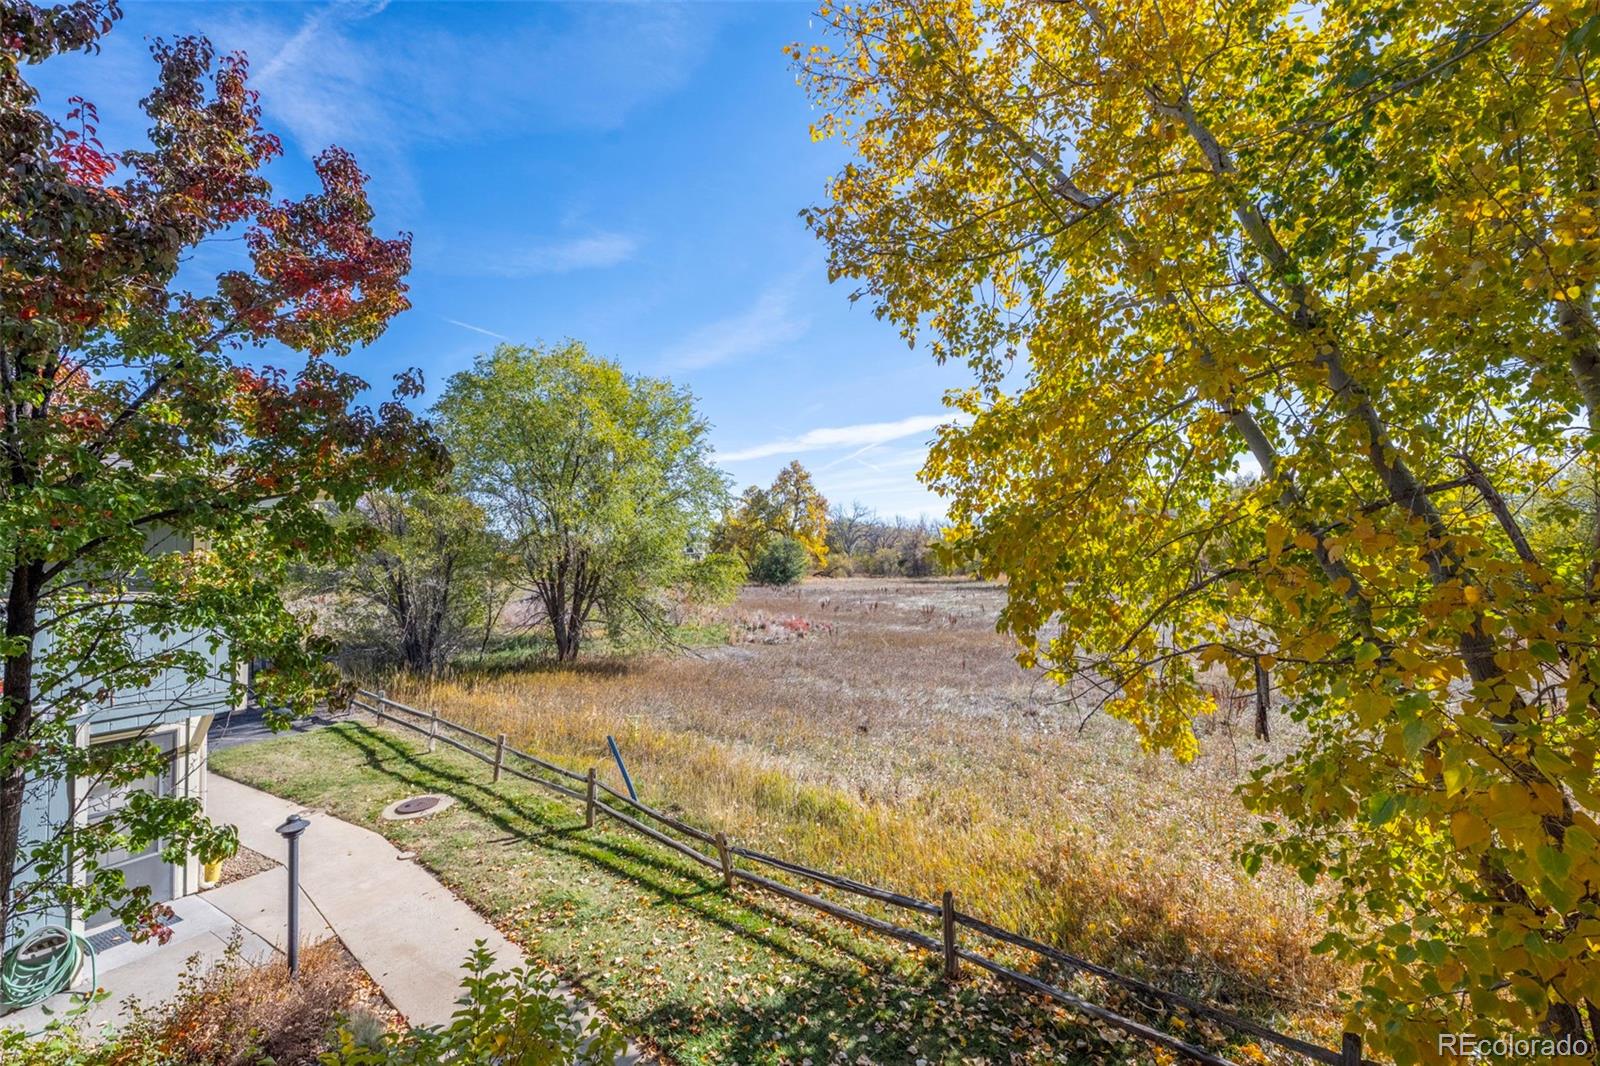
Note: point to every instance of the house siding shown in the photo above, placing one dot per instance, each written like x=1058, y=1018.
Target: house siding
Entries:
x=171, y=703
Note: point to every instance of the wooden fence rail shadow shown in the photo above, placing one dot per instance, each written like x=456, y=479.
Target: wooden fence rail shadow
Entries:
x=429, y=724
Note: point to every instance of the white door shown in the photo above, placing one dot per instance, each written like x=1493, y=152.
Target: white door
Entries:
x=146, y=868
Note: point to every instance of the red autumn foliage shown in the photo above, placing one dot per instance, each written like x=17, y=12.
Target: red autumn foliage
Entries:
x=80, y=152
x=97, y=256
x=319, y=266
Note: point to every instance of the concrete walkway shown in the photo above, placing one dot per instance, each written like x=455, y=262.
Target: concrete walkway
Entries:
x=406, y=929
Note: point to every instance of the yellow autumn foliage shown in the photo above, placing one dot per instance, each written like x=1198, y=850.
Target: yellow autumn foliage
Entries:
x=1285, y=357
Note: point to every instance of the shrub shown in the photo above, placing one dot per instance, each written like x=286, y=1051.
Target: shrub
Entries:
x=782, y=562
x=515, y=1017
x=839, y=565
x=714, y=580
x=238, y=1013
x=759, y=629
x=230, y=1014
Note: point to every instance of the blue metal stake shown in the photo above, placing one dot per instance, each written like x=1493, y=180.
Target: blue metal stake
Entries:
x=626, y=780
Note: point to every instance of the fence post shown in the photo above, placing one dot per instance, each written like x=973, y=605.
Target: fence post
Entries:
x=499, y=756
x=727, y=861
x=952, y=962
x=433, y=728
x=1350, y=1051
x=588, y=810
x=377, y=706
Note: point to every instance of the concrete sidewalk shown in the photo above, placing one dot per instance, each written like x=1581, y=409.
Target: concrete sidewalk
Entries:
x=149, y=972
x=407, y=930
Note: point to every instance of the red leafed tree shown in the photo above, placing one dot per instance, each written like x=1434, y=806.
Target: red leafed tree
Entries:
x=128, y=416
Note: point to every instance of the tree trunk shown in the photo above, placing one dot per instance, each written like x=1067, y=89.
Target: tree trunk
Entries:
x=16, y=723
x=557, y=597
x=1263, y=702
x=555, y=606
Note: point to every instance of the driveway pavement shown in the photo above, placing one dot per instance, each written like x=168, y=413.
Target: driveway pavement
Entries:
x=247, y=725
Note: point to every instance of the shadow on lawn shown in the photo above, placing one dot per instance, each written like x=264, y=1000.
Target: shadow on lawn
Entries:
x=903, y=1016
x=874, y=1003
x=617, y=854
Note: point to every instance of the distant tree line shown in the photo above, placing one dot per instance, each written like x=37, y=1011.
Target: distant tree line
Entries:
x=788, y=530
x=860, y=542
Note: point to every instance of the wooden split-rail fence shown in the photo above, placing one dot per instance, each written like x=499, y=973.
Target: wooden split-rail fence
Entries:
x=586, y=789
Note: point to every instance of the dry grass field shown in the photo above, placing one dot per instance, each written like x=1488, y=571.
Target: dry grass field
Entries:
x=881, y=729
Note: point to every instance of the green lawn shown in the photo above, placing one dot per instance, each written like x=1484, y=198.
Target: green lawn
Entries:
x=702, y=974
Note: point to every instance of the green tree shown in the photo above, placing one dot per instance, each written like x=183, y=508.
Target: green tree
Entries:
x=155, y=486
x=1352, y=255
x=782, y=561
x=792, y=507
x=712, y=580
x=422, y=585
x=747, y=525
x=600, y=482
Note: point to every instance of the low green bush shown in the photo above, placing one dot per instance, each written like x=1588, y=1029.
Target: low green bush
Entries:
x=515, y=1017
x=781, y=562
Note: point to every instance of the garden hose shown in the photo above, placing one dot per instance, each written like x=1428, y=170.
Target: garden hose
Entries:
x=44, y=963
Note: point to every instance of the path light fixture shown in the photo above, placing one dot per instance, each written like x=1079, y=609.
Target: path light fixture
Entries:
x=290, y=830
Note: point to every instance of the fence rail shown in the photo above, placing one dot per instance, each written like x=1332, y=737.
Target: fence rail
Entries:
x=429, y=724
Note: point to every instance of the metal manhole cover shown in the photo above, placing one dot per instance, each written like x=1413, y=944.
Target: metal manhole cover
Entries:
x=416, y=807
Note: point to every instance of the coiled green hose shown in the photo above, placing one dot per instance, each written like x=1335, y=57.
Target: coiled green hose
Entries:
x=43, y=964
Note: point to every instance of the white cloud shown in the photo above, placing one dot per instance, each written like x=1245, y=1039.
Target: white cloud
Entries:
x=770, y=321
x=559, y=256
x=862, y=436
x=403, y=79
x=295, y=48
x=887, y=483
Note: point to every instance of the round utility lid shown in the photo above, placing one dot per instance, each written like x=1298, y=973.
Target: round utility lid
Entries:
x=416, y=807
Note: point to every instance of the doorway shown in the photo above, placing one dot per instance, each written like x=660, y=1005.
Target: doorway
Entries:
x=146, y=868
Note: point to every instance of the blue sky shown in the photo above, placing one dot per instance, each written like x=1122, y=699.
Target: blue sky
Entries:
x=629, y=175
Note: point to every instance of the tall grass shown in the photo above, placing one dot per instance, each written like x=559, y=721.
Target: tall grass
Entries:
x=903, y=748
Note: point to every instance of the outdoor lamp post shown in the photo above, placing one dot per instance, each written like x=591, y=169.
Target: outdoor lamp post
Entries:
x=290, y=830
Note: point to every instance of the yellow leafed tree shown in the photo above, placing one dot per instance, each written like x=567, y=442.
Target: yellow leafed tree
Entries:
x=801, y=511
x=791, y=507
x=1304, y=303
